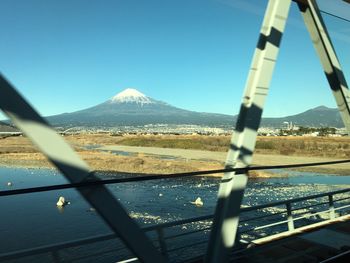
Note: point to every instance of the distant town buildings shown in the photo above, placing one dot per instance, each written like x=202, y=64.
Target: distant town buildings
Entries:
x=286, y=129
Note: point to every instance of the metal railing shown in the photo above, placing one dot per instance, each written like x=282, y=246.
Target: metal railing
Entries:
x=185, y=239
x=293, y=214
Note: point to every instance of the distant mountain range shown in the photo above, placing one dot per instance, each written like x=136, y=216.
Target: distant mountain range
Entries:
x=318, y=117
x=132, y=108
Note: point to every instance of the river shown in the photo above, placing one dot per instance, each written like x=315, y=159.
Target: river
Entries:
x=31, y=220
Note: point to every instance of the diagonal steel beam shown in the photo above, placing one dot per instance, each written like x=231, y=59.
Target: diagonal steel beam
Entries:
x=226, y=218
x=76, y=170
x=326, y=52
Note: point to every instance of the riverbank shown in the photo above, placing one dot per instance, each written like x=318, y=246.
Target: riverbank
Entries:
x=105, y=161
x=102, y=153
x=140, y=164
x=258, y=159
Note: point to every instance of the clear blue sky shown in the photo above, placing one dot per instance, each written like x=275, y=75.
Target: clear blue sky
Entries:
x=67, y=55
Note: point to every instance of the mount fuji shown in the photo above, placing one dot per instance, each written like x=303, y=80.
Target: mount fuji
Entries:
x=132, y=108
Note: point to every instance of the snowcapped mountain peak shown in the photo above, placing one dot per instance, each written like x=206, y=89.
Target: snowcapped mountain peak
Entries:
x=131, y=95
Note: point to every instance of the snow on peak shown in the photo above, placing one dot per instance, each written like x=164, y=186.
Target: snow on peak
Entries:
x=131, y=95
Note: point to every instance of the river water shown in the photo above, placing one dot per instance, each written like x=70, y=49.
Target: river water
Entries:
x=31, y=220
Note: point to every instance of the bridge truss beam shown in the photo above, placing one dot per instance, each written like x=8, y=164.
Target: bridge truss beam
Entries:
x=243, y=141
x=328, y=58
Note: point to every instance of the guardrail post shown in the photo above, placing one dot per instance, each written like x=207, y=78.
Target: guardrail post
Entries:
x=290, y=217
x=162, y=243
x=238, y=234
x=331, y=207
x=55, y=256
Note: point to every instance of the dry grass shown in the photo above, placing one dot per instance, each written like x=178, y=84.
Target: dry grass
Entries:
x=194, y=142
x=331, y=147
x=337, y=147
x=18, y=151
